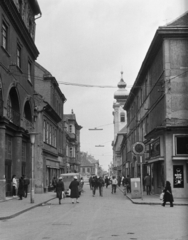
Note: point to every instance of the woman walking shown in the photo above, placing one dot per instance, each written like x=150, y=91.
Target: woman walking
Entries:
x=59, y=189
x=74, y=185
x=168, y=197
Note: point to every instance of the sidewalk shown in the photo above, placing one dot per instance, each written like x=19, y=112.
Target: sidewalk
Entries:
x=154, y=199
x=13, y=207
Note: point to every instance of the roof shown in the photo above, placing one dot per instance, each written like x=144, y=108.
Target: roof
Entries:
x=68, y=117
x=181, y=21
x=85, y=162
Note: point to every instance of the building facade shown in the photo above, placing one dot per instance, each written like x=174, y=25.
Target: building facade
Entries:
x=72, y=142
x=157, y=110
x=49, y=124
x=18, y=53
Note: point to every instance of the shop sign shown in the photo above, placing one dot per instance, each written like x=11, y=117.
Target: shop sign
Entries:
x=178, y=176
x=155, y=148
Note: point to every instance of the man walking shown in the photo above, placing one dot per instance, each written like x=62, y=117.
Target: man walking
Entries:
x=101, y=185
x=59, y=189
x=94, y=184
x=26, y=184
x=114, y=184
x=147, y=180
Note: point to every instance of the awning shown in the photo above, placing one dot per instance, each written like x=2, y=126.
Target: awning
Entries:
x=155, y=160
x=52, y=164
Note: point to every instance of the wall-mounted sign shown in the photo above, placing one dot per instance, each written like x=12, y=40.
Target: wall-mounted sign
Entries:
x=178, y=176
x=138, y=148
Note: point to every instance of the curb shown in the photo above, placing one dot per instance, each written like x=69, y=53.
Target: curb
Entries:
x=25, y=210
x=152, y=203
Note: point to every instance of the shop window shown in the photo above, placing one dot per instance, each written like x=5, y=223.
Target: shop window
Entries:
x=182, y=145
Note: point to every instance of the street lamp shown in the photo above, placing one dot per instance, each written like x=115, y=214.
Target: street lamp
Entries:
x=32, y=139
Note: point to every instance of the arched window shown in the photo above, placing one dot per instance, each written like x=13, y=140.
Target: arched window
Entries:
x=122, y=117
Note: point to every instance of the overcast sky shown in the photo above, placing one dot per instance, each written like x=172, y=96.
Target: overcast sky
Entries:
x=91, y=42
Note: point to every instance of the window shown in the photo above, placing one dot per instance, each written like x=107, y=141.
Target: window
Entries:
x=29, y=71
x=47, y=132
x=182, y=144
x=55, y=138
x=122, y=117
x=71, y=152
x=5, y=36
x=44, y=130
x=70, y=128
x=18, y=56
x=50, y=134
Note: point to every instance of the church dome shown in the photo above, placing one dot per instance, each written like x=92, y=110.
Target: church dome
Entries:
x=121, y=93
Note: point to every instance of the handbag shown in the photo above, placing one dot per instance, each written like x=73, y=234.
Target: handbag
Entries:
x=161, y=196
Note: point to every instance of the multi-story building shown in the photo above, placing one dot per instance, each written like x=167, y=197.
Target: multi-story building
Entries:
x=72, y=141
x=120, y=121
x=157, y=110
x=86, y=168
x=18, y=53
x=49, y=123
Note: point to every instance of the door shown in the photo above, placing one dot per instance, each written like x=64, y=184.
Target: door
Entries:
x=8, y=175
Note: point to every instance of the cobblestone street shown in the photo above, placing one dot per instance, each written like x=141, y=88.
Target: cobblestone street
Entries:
x=107, y=217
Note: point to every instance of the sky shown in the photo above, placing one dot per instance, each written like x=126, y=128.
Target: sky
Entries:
x=90, y=42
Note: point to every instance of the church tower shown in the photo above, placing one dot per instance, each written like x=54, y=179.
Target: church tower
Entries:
x=120, y=115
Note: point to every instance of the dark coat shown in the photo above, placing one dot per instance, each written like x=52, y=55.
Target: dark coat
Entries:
x=59, y=189
x=21, y=187
x=168, y=197
x=74, y=187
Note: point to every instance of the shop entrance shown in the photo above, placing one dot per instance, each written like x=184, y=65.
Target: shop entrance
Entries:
x=8, y=175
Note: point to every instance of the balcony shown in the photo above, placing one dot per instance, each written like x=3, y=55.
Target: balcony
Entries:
x=13, y=116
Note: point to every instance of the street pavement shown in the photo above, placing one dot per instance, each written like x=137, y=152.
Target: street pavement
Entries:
x=111, y=217
x=13, y=207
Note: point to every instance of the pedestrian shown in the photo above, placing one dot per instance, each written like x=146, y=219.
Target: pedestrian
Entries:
x=54, y=183
x=60, y=189
x=106, y=181
x=74, y=185
x=147, y=181
x=90, y=182
x=26, y=184
x=21, y=188
x=94, y=185
x=168, y=197
x=100, y=185
x=114, y=184
x=14, y=185
x=81, y=185
x=119, y=180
